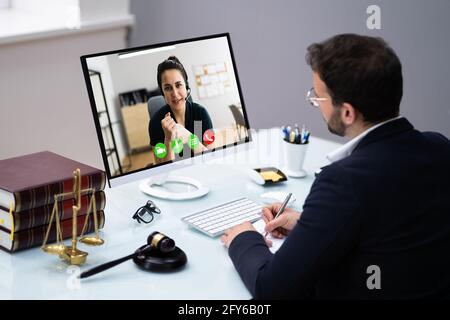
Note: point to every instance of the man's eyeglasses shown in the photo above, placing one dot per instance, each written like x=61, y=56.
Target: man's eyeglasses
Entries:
x=145, y=213
x=312, y=98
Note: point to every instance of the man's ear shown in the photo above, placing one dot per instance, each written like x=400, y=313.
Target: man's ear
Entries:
x=349, y=114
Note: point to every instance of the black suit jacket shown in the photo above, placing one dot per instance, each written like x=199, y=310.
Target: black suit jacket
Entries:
x=386, y=205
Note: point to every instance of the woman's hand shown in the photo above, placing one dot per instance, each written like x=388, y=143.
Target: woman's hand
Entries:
x=281, y=226
x=173, y=130
x=182, y=133
x=169, y=127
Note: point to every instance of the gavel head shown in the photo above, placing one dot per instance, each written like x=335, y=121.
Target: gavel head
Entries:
x=161, y=242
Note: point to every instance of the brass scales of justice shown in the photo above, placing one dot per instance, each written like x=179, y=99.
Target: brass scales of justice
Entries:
x=71, y=254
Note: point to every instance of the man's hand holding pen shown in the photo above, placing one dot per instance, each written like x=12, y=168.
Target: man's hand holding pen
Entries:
x=279, y=227
x=283, y=224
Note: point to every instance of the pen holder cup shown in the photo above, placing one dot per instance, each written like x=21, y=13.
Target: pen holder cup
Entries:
x=294, y=157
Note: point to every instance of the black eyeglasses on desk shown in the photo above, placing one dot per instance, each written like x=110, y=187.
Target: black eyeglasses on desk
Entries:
x=145, y=213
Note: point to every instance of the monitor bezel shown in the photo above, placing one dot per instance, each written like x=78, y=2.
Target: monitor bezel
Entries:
x=159, y=168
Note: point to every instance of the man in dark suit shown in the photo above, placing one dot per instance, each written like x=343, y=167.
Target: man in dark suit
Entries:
x=376, y=223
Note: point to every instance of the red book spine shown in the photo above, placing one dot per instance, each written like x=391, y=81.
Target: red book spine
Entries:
x=39, y=216
x=43, y=195
x=35, y=237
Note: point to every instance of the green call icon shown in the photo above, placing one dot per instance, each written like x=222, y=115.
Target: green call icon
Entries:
x=176, y=145
x=193, y=141
x=160, y=150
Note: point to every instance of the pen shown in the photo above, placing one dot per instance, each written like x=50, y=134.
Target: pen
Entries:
x=297, y=135
x=285, y=133
x=292, y=136
x=283, y=206
x=303, y=134
x=307, y=137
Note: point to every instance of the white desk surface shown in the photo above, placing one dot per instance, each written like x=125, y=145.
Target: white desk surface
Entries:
x=209, y=273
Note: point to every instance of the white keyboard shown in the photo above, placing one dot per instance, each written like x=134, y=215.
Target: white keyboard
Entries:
x=216, y=220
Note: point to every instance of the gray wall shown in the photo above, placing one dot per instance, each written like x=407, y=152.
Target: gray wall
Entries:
x=270, y=38
x=44, y=103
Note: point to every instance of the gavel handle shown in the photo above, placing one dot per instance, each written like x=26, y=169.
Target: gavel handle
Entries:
x=105, y=266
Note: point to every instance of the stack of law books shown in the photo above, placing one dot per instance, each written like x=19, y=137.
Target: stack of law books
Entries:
x=28, y=185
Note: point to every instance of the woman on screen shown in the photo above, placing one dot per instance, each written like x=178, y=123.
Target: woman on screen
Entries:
x=176, y=119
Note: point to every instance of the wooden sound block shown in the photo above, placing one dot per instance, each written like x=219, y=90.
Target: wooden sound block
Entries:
x=154, y=260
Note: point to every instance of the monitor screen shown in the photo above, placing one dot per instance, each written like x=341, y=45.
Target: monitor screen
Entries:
x=165, y=103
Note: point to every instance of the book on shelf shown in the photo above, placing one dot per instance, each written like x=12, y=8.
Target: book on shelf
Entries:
x=131, y=98
x=39, y=216
x=12, y=242
x=32, y=180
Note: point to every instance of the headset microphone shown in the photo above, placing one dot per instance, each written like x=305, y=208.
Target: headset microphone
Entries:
x=189, y=93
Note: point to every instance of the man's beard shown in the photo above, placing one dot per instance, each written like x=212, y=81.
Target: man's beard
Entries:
x=335, y=125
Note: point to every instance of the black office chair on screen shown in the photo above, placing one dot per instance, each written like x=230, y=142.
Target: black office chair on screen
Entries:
x=239, y=120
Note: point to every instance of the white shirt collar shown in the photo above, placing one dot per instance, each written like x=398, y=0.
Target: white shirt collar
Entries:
x=347, y=149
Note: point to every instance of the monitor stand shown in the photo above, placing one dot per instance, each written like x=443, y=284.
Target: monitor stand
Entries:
x=173, y=187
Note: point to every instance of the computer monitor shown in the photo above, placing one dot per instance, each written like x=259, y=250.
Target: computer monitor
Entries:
x=160, y=107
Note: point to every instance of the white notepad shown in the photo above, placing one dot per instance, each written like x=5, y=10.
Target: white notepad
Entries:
x=276, y=243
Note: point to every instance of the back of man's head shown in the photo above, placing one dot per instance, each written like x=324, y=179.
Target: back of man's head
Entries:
x=360, y=70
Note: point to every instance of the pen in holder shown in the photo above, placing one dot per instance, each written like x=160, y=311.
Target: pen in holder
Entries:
x=295, y=143
x=294, y=155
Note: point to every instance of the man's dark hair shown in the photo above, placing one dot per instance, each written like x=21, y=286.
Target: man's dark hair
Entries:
x=360, y=70
x=171, y=62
